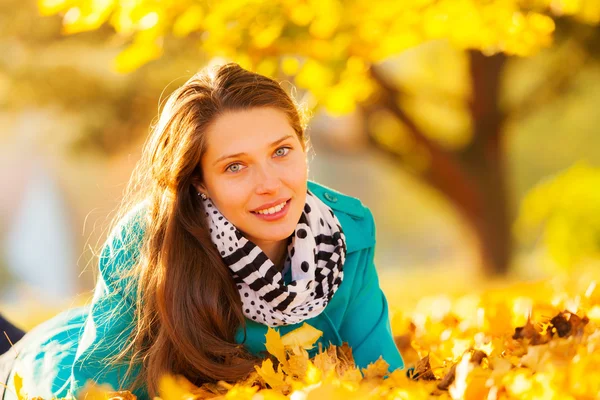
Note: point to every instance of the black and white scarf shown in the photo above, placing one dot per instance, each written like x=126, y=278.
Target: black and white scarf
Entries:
x=316, y=252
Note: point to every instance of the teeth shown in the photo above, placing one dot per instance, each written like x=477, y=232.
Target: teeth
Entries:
x=272, y=210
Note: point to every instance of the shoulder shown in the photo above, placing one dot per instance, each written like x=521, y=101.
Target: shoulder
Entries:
x=122, y=247
x=356, y=219
x=128, y=231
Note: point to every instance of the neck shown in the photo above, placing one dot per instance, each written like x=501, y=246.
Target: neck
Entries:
x=276, y=251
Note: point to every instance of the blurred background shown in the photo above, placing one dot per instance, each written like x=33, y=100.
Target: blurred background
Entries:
x=472, y=131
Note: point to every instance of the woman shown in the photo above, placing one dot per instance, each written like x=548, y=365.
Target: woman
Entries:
x=220, y=236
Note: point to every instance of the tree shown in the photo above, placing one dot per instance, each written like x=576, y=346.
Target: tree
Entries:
x=342, y=52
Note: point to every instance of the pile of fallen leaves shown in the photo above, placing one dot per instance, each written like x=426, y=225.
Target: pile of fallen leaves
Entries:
x=527, y=341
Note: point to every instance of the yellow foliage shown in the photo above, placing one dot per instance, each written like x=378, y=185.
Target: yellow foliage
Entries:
x=304, y=337
x=137, y=55
x=323, y=35
x=19, y=387
x=566, y=209
x=274, y=345
x=376, y=370
x=273, y=378
x=553, y=354
x=175, y=388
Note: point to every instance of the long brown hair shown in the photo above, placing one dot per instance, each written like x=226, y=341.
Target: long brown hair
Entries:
x=188, y=308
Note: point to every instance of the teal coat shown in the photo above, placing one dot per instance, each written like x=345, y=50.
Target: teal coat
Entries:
x=60, y=355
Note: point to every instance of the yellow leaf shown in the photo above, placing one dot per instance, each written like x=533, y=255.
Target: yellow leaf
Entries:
x=85, y=18
x=93, y=391
x=269, y=394
x=51, y=7
x=297, y=364
x=313, y=374
x=305, y=337
x=189, y=21
x=352, y=375
x=326, y=361
x=290, y=65
x=238, y=392
x=19, y=386
x=136, y=55
x=377, y=369
x=175, y=388
x=274, y=345
x=273, y=378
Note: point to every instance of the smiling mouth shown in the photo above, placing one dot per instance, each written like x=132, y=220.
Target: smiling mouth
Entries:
x=273, y=210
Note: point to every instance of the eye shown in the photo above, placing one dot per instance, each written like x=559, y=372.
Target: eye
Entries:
x=282, y=151
x=234, y=167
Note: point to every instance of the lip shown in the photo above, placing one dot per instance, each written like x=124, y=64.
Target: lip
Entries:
x=269, y=205
x=278, y=215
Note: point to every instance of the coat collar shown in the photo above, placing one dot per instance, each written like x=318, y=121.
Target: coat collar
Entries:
x=351, y=213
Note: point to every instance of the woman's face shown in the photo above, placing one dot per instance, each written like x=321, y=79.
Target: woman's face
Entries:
x=254, y=163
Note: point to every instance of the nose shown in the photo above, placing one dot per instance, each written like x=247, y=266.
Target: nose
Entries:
x=266, y=179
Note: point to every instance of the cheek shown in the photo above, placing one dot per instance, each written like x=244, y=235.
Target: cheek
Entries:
x=298, y=171
x=229, y=199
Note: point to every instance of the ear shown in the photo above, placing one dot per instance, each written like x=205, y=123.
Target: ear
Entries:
x=199, y=186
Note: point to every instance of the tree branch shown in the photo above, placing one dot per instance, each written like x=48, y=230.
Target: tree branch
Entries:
x=555, y=83
x=445, y=172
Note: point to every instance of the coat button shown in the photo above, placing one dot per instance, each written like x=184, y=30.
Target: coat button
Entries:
x=330, y=197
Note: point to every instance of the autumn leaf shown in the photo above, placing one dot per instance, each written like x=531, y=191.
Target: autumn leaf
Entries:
x=530, y=332
x=345, y=359
x=297, y=365
x=274, y=345
x=376, y=370
x=313, y=374
x=175, y=388
x=93, y=391
x=567, y=323
x=305, y=337
x=327, y=360
x=273, y=378
x=423, y=370
x=18, y=381
x=546, y=357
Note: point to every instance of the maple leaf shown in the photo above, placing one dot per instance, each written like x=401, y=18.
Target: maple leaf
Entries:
x=326, y=361
x=352, y=375
x=345, y=359
x=423, y=370
x=274, y=345
x=273, y=378
x=305, y=337
x=377, y=369
x=296, y=366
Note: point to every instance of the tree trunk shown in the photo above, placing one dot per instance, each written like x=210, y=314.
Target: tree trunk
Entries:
x=484, y=160
x=473, y=179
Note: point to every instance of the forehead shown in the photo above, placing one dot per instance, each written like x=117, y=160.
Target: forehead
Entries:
x=245, y=131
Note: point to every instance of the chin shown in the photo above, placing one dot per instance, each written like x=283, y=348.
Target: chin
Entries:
x=275, y=235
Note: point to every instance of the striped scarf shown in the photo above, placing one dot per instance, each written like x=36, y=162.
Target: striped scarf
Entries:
x=316, y=253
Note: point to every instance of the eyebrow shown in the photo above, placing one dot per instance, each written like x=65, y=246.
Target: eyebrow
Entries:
x=242, y=154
